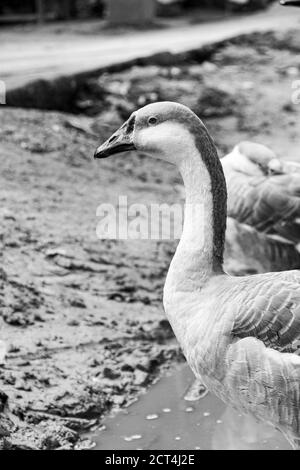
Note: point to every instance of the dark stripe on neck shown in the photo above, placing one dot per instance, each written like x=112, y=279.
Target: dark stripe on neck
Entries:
x=209, y=155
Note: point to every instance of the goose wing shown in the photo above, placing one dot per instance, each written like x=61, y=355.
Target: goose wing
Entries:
x=268, y=203
x=265, y=382
x=248, y=251
x=263, y=371
x=269, y=310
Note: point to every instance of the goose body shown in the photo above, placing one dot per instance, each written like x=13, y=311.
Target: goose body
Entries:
x=248, y=251
x=238, y=334
x=264, y=205
x=263, y=192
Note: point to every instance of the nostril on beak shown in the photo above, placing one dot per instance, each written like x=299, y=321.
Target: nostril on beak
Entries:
x=112, y=139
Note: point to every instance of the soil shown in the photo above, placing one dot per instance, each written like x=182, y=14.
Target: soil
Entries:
x=81, y=318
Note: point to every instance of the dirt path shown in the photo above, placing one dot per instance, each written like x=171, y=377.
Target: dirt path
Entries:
x=43, y=54
x=82, y=318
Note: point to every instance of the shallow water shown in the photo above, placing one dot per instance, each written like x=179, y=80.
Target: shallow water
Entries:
x=164, y=419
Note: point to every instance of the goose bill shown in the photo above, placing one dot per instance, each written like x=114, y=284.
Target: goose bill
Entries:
x=120, y=141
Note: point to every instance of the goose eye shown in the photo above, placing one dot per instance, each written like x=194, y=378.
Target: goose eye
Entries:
x=152, y=120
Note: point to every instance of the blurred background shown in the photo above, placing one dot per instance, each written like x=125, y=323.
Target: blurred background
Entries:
x=117, y=11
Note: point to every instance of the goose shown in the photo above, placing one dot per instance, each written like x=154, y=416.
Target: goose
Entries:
x=263, y=208
x=239, y=334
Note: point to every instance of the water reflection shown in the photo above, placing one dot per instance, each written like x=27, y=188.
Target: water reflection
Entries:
x=241, y=432
x=164, y=419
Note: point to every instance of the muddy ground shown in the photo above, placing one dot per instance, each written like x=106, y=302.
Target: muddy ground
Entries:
x=82, y=318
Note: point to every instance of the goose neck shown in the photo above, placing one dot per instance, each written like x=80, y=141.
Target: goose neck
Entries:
x=199, y=254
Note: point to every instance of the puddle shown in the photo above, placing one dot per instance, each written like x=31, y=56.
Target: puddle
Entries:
x=164, y=419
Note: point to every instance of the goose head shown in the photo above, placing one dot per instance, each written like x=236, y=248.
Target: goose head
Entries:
x=163, y=130
x=172, y=132
x=253, y=159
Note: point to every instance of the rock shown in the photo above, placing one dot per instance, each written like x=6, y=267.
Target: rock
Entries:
x=288, y=107
x=145, y=364
x=77, y=302
x=3, y=352
x=17, y=318
x=56, y=436
x=45, y=94
x=215, y=102
x=127, y=367
x=140, y=377
x=8, y=214
x=22, y=385
x=111, y=374
x=3, y=401
x=7, y=426
x=162, y=59
x=93, y=362
x=119, y=400
x=16, y=444
x=209, y=67
x=73, y=322
x=85, y=444
x=52, y=252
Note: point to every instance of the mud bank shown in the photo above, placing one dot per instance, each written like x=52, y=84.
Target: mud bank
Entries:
x=65, y=93
x=82, y=318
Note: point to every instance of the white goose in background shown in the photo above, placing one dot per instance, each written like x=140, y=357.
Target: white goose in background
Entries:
x=263, y=208
x=263, y=211
x=238, y=334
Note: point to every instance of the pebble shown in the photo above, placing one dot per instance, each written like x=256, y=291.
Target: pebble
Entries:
x=140, y=377
x=52, y=252
x=153, y=416
x=209, y=67
x=248, y=85
x=292, y=71
x=85, y=445
x=189, y=409
x=8, y=214
x=134, y=437
x=73, y=322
